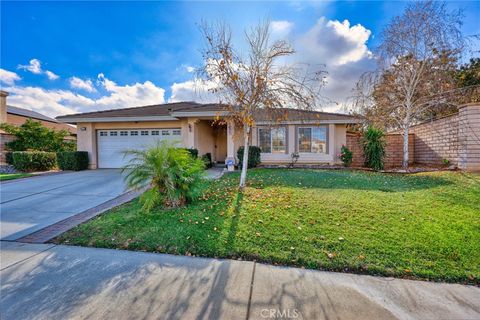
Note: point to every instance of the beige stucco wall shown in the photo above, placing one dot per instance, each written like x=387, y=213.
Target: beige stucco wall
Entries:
x=336, y=137
x=204, y=138
x=199, y=134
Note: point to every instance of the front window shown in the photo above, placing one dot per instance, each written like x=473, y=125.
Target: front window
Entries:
x=312, y=139
x=272, y=140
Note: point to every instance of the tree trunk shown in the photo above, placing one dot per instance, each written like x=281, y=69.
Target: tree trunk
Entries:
x=405, y=147
x=243, y=176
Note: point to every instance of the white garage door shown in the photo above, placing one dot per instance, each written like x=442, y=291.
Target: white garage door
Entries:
x=111, y=144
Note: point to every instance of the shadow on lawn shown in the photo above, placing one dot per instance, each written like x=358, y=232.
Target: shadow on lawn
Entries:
x=341, y=179
x=234, y=224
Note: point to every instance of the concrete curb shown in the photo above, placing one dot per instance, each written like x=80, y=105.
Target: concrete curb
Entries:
x=36, y=175
x=48, y=233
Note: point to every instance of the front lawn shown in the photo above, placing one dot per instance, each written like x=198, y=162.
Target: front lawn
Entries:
x=11, y=176
x=418, y=226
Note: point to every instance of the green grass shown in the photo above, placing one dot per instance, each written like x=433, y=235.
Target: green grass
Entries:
x=424, y=226
x=11, y=176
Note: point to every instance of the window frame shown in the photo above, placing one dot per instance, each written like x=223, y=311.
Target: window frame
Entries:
x=271, y=139
x=297, y=138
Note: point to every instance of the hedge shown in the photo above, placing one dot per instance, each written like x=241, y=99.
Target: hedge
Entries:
x=253, y=156
x=72, y=160
x=34, y=160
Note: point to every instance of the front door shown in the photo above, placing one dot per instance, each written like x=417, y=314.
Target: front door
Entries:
x=221, y=144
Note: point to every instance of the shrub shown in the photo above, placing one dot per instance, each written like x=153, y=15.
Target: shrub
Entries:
x=253, y=156
x=34, y=160
x=172, y=175
x=32, y=135
x=193, y=152
x=374, y=148
x=294, y=156
x=346, y=156
x=72, y=160
x=207, y=159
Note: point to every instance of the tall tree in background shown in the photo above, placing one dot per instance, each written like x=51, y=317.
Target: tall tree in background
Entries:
x=257, y=81
x=417, y=60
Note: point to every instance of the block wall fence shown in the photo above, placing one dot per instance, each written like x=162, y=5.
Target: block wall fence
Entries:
x=455, y=138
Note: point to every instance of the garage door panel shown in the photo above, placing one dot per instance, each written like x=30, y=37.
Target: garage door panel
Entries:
x=111, y=144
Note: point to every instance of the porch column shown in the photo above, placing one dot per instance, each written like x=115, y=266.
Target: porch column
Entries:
x=191, y=133
x=331, y=142
x=230, y=160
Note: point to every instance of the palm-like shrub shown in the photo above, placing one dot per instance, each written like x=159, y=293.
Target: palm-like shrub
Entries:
x=171, y=175
x=374, y=148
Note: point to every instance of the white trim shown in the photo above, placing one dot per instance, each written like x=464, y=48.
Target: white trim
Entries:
x=327, y=139
x=307, y=122
x=117, y=119
x=199, y=114
x=271, y=139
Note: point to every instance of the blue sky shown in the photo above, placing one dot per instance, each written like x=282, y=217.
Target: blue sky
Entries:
x=64, y=57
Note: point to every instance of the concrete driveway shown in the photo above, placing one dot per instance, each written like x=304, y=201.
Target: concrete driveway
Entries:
x=28, y=205
x=45, y=281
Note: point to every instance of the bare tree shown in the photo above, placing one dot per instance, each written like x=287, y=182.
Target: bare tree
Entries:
x=256, y=81
x=416, y=62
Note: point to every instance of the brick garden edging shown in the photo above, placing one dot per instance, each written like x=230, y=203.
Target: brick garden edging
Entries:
x=48, y=233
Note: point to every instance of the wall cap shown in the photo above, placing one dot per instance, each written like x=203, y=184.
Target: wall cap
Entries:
x=469, y=105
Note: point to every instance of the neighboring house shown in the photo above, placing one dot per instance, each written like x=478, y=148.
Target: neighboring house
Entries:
x=17, y=116
x=317, y=136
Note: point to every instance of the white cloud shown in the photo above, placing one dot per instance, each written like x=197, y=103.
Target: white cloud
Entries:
x=193, y=90
x=35, y=66
x=129, y=95
x=78, y=83
x=281, y=27
x=54, y=102
x=343, y=49
x=190, y=69
x=8, y=77
x=48, y=102
x=51, y=75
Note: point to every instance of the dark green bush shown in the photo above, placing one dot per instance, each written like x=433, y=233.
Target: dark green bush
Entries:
x=346, y=156
x=8, y=158
x=253, y=156
x=34, y=160
x=193, y=152
x=72, y=160
x=207, y=159
x=374, y=148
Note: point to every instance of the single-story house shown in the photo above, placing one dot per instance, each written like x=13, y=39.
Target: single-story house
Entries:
x=316, y=136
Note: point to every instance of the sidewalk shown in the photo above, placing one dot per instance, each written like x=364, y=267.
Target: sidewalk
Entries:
x=58, y=282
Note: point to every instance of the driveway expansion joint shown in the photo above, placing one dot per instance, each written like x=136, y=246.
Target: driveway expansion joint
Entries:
x=48, y=233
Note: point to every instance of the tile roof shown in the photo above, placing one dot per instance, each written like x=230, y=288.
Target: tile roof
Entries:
x=29, y=114
x=168, y=108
